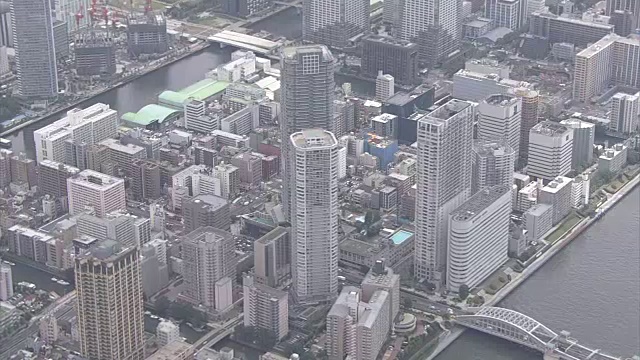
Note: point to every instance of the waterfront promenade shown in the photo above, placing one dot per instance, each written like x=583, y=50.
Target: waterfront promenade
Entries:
x=448, y=338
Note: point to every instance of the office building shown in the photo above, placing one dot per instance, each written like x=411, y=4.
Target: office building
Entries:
x=61, y=40
x=245, y=8
x=155, y=269
x=127, y=229
x=265, y=308
x=5, y=167
x=166, y=333
x=209, y=267
x=561, y=29
x=625, y=109
x=631, y=7
x=584, y=134
x=357, y=329
x=33, y=41
x=108, y=277
x=91, y=125
x=243, y=121
x=229, y=177
x=557, y=194
x=478, y=237
x=94, y=53
x=195, y=118
x=472, y=86
x=493, y=162
x=6, y=282
x=613, y=159
x=308, y=88
x=580, y=191
x=272, y=257
x=550, y=150
x=6, y=27
x=528, y=115
x=146, y=179
x=314, y=228
x=335, y=22
x=206, y=210
x=381, y=277
x=385, y=86
x=435, y=25
x=499, y=117
x=28, y=243
x=249, y=167
x=445, y=138
x=53, y=178
x=509, y=14
x=538, y=220
x=385, y=125
x=102, y=192
x=23, y=170
x=391, y=56
x=122, y=157
x=48, y=328
x=5, y=68
x=146, y=34
x=612, y=60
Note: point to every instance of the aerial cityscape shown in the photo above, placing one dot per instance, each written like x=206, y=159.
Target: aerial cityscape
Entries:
x=320, y=179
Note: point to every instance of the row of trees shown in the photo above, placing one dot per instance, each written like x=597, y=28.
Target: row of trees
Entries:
x=180, y=311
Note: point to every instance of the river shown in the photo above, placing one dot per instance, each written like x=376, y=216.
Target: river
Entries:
x=591, y=288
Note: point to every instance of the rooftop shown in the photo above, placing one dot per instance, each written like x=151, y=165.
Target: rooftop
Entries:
x=291, y=53
x=492, y=147
x=400, y=236
x=539, y=209
x=557, y=184
x=200, y=90
x=211, y=202
x=273, y=234
x=478, y=202
x=549, y=128
x=388, y=40
x=501, y=99
x=450, y=109
x=96, y=179
x=149, y=114
x=116, y=145
x=58, y=165
x=577, y=123
x=313, y=138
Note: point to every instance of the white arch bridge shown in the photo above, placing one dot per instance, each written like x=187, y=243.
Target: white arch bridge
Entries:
x=521, y=329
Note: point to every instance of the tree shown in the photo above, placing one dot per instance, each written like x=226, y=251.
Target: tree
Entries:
x=408, y=303
x=463, y=291
x=162, y=305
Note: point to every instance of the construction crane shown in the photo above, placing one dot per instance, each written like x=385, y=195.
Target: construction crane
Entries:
x=79, y=16
x=147, y=7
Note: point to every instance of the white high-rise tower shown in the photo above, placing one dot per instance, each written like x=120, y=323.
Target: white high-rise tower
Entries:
x=445, y=138
x=334, y=22
x=314, y=214
x=500, y=117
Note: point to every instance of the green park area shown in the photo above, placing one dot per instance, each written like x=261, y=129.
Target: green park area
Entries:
x=567, y=224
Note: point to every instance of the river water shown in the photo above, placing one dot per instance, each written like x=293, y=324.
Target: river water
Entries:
x=591, y=288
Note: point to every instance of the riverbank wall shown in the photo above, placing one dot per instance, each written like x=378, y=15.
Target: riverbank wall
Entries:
x=193, y=51
x=455, y=333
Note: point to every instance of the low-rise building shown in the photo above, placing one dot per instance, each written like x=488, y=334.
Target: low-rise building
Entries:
x=538, y=220
x=613, y=159
x=557, y=194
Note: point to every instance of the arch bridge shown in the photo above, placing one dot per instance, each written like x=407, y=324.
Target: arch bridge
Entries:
x=521, y=329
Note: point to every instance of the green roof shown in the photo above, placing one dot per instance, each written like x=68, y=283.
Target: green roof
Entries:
x=201, y=90
x=149, y=114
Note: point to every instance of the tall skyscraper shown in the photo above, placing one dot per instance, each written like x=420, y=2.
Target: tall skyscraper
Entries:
x=102, y=192
x=479, y=237
x=210, y=267
x=308, y=87
x=625, y=109
x=633, y=6
x=435, y=25
x=550, y=150
x=314, y=222
x=33, y=39
x=6, y=28
x=529, y=116
x=272, y=257
x=493, y=162
x=445, y=138
x=110, y=304
x=499, y=117
x=506, y=13
x=584, y=135
x=334, y=22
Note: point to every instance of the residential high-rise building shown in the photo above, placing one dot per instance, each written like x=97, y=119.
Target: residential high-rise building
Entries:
x=23, y=170
x=6, y=282
x=33, y=40
x=529, y=117
x=499, y=117
x=557, y=194
x=357, y=329
x=307, y=90
x=155, y=269
x=613, y=60
x=6, y=27
x=91, y=125
x=5, y=167
x=117, y=225
x=625, y=109
x=478, y=237
x=506, y=13
x=53, y=177
x=473, y=86
x=584, y=134
x=314, y=221
x=229, y=176
x=559, y=29
x=392, y=56
x=206, y=210
x=272, y=257
x=550, y=150
x=435, y=25
x=385, y=86
x=265, y=308
x=146, y=185
x=334, y=22
x=381, y=277
x=110, y=304
x=102, y=192
x=445, y=138
x=209, y=267
x=632, y=6
x=493, y=162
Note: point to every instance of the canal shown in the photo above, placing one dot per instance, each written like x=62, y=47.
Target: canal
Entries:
x=591, y=288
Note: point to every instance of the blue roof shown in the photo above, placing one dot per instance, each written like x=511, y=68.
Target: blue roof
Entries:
x=400, y=236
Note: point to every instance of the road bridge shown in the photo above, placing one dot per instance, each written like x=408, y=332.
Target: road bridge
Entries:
x=521, y=329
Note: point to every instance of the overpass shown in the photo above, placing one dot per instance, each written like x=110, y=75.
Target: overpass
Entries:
x=521, y=329
x=246, y=42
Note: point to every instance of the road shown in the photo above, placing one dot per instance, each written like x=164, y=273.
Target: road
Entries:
x=61, y=307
